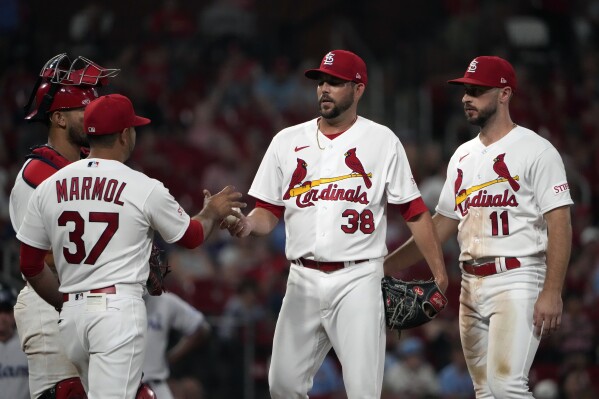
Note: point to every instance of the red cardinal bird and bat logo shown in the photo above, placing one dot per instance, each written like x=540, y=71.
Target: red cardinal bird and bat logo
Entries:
x=352, y=161
x=501, y=169
x=299, y=174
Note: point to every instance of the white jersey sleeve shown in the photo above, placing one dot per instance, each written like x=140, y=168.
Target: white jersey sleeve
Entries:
x=401, y=186
x=160, y=207
x=549, y=180
x=268, y=181
x=19, y=199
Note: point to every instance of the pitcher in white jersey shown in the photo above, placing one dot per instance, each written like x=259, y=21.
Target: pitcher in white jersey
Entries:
x=99, y=216
x=507, y=197
x=331, y=178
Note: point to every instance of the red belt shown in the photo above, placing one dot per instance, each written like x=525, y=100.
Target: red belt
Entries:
x=488, y=269
x=324, y=266
x=105, y=290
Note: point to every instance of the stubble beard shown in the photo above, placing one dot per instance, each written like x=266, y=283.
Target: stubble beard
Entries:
x=77, y=137
x=337, y=109
x=484, y=115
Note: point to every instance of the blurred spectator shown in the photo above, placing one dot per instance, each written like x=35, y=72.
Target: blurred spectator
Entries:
x=90, y=28
x=576, y=334
x=546, y=389
x=237, y=333
x=14, y=382
x=171, y=21
x=412, y=376
x=577, y=383
x=227, y=18
x=454, y=380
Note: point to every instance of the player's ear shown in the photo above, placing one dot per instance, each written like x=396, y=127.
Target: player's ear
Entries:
x=124, y=136
x=505, y=94
x=58, y=118
x=359, y=89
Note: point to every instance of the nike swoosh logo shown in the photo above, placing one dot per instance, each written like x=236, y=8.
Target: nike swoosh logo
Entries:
x=301, y=148
x=462, y=157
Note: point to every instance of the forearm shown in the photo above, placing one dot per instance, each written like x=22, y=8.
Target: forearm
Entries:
x=409, y=252
x=207, y=223
x=46, y=285
x=187, y=344
x=559, y=231
x=403, y=257
x=427, y=241
x=262, y=221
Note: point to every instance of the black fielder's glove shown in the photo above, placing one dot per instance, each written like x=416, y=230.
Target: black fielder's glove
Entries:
x=410, y=304
x=158, y=271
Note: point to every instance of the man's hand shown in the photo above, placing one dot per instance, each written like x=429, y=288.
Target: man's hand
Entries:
x=242, y=227
x=221, y=205
x=547, y=317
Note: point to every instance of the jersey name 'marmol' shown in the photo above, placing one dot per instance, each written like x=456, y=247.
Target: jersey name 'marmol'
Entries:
x=89, y=188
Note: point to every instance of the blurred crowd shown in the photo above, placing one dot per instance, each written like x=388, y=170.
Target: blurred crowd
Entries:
x=220, y=78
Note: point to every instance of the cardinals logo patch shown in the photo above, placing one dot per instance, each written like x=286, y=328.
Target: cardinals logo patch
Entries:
x=484, y=198
x=306, y=191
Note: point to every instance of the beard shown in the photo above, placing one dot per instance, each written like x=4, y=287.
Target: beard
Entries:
x=77, y=137
x=483, y=117
x=338, y=107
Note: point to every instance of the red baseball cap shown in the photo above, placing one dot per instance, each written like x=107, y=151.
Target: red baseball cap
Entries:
x=341, y=64
x=489, y=71
x=110, y=114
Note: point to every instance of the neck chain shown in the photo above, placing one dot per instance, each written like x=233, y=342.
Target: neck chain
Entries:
x=318, y=129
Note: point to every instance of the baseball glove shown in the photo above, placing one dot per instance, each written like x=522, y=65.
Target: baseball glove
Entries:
x=410, y=304
x=158, y=271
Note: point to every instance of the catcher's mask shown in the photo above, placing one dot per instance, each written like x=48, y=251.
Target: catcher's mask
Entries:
x=63, y=84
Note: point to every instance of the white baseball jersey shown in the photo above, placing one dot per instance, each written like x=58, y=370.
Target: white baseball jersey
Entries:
x=166, y=312
x=19, y=199
x=500, y=192
x=99, y=216
x=333, y=210
x=13, y=370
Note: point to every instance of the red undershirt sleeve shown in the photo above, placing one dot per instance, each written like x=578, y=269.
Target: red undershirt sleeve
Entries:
x=276, y=210
x=412, y=209
x=32, y=260
x=194, y=235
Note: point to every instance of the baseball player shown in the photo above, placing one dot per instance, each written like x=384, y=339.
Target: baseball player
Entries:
x=167, y=313
x=62, y=91
x=507, y=197
x=331, y=179
x=100, y=216
x=13, y=361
